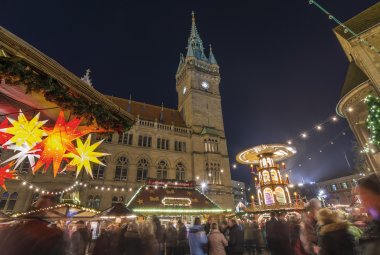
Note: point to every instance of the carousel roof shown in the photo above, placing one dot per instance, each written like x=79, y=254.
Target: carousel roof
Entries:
x=61, y=211
x=252, y=155
x=170, y=200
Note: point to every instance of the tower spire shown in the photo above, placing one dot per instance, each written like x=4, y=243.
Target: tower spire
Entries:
x=211, y=57
x=194, y=43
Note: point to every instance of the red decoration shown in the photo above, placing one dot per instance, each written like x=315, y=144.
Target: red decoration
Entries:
x=5, y=173
x=4, y=137
x=59, y=141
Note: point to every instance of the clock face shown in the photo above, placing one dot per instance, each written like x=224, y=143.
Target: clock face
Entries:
x=184, y=90
x=205, y=85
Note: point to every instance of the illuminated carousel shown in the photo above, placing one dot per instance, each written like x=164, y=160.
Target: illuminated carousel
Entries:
x=272, y=190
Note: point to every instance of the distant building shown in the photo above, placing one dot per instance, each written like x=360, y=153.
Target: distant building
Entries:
x=363, y=75
x=339, y=190
x=239, y=192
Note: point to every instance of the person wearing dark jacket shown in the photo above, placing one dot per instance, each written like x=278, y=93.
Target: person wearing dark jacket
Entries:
x=102, y=244
x=80, y=239
x=236, y=240
x=334, y=235
x=171, y=239
x=272, y=235
x=182, y=238
x=159, y=234
x=283, y=232
x=130, y=241
x=369, y=192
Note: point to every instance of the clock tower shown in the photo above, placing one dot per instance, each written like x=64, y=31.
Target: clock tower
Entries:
x=199, y=102
x=197, y=86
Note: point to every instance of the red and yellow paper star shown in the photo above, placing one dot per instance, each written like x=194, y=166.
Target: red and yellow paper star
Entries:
x=58, y=142
x=6, y=173
x=4, y=137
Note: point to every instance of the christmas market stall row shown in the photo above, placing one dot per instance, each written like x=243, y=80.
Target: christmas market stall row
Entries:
x=51, y=125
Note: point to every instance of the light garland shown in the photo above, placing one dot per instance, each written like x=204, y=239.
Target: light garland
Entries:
x=373, y=124
x=181, y=211
x=345, y=28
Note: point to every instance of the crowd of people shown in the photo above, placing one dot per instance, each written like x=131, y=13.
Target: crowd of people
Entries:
x=317, y=231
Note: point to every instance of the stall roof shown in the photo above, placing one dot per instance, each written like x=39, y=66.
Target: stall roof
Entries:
x=118, y=210
x=151, y=199
x=61, y=211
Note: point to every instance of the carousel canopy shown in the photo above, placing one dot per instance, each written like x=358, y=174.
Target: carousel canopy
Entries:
x=61, y=211
x=161, y=200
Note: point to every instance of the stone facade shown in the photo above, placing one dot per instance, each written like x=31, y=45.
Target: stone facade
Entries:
x=187, y=143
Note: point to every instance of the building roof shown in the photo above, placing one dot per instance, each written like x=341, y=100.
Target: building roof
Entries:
x=170, y=200
x=150, y=112
x=361, y=22
x=354, y=78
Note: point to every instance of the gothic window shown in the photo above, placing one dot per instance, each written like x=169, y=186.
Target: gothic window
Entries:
x=121, y=170
x=25, y=167
x=12, y=201
x=180, y=171
x=214, y=173
x=97, y=202
x=90, y=201
x=162, y=144
x=162, y=170
x=126, y=138
x=145, y=141
x=3, y=200
x=142, y=170
x=98, y=170
x=180, y=146
x=211, y=145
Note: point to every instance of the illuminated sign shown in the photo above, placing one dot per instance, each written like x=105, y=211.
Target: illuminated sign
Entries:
x=166, y=183
x=176, y=201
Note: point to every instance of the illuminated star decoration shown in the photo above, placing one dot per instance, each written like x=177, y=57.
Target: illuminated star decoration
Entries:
x=24, y=131
x=24, y=152
x=58, y=142
x=84, y=154
x=5, y=173
x=4, y=137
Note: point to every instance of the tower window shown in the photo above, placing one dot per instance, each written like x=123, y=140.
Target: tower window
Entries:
x=162, y=144
x=121, y=170
x=142, y=170
x=211, y=145
x=162, y=170
x=213, y=173
x=180, y=171
x=180, y=146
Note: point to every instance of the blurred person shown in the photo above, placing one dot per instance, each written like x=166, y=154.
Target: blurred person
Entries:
x=272, y=235
x=102, y=243
x=248, y=237
x=369, y=192
x=80, y=239
x=197, y=239
x=170, y=239
x=217, y=241
x=159, y=234
x=182, y=238
x=225, y=230
x=295, y=231
x=309, y=231
x=334, y=234
x=207, y=226
x=236, y=242
x=130, y=241
x=33, y=236
x=257, y=238
x=149, y=242
x=283, y=233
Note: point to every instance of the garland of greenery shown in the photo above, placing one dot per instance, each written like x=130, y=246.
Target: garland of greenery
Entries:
x=17, y=72
x=373, y=119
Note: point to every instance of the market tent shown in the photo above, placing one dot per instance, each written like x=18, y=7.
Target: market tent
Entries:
x=61, y=211
x=118, y=210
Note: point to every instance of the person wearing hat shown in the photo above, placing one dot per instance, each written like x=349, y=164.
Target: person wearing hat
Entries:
x=334, y=234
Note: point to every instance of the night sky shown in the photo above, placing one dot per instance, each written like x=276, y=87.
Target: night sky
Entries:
x=282, y=67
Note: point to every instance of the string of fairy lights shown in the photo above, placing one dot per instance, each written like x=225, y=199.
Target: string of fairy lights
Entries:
x=345, y=28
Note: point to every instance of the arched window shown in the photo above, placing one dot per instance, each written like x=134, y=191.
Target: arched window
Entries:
x=90, y=201
x=121, y=170
x=162, y=170
x=3, y=200
x=266, y=177
x=12, y=201
x=273, y=174
x=97, y=202
x=114, y=201
x=280, y=195
x=142, y=170
x=98, y=170
x=214, y=174
x=268, y=196
x=180, y=171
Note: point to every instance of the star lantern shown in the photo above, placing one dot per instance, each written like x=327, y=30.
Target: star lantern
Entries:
x=84, y=154
x=58, y=142
x=4, y=137
x=24, y=131
x=6, y=173
x=24, y=151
